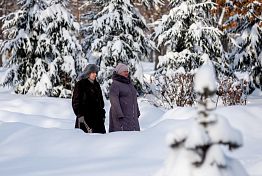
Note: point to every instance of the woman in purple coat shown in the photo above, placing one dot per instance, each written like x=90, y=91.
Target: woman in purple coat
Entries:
x=124, y=110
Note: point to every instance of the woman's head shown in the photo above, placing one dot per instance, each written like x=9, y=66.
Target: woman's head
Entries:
x=91, y=71
x=122, y=70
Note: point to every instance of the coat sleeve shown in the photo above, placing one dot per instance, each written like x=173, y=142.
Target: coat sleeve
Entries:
x=101, y=96
x=114, y=100
x=103, y=112
x=138, y=111
x=76, y=100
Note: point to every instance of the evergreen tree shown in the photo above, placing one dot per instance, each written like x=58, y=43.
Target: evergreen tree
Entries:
x=22, y=29
x=45, y=54
x=119, y=36
x=199, y=152
x=149, y=3
x=62, y=49
x=186, y=33
x=245, y=20
x=87, y=28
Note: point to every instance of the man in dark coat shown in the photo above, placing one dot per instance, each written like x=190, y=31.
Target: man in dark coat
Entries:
x=88, y=103
x=124, y=111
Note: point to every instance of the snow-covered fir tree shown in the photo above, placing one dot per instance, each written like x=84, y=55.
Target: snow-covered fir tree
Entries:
x=86, y=29
x=186, y=33
x=199, y=151
x=45, y=61
x=150, y=3
x=63, y=51
x=246, y=24
x=119, y=36
x=21, y=29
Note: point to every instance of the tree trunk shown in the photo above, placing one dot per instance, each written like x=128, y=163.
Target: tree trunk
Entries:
x=156, y=55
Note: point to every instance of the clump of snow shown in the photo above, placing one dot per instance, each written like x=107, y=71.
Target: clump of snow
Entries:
x=205, y=76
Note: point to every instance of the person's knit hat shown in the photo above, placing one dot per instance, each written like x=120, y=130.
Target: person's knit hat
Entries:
x=121, y=68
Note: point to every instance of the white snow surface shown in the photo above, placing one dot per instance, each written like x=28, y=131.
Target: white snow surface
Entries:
x=38, y=138
x=205, y=76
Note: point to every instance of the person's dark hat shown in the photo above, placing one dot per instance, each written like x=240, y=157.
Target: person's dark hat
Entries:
x=91, y=68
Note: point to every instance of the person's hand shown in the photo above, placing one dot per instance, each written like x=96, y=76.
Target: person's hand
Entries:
x=81, y=119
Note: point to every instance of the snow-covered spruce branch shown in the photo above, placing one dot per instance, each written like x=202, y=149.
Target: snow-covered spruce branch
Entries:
x=204, y=3
x=213, y=29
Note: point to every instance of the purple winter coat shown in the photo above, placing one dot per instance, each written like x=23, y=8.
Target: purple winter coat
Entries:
x=124, y=111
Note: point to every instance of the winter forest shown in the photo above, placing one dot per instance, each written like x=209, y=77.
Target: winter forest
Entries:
x=203, y=54
x=45, y=46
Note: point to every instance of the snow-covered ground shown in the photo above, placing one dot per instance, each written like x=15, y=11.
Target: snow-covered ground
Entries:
x=37, y=138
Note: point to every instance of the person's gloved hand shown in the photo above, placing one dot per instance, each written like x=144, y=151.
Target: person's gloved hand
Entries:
x=81, y=119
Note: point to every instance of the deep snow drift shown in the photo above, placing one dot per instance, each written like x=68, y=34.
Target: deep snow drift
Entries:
x=37, y=137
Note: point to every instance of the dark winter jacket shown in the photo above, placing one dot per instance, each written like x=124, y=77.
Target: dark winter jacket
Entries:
x=88, y=101
x=124, y=111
